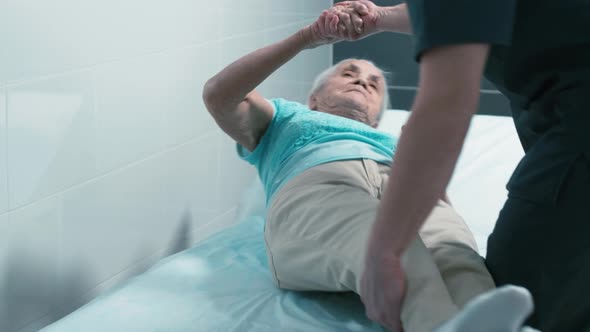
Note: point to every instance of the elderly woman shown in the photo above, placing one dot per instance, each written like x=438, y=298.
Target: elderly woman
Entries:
x=324, y=167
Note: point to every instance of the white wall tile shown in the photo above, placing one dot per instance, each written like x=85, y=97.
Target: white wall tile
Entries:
x=234, y=48
x=309, y=7
x=286, y=6
x=237, y=22
x=50, y=128
x=300, y=6
x=245, y=5
x=29, y=249
x=305, y=66
x=282, y=20
x=189, y=70
x=313, y=62
x=3, y=172
x=192, y=183
x=292, y=70
x=114, y=221
x=316, y=6
x=146, y=104
x=41, y=37
x=131, y=99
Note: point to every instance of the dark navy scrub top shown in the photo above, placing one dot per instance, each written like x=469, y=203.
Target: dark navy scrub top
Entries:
x=540, y=60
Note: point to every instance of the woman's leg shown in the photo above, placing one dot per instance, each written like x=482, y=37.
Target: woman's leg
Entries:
x=317, y=231
x=454, y=250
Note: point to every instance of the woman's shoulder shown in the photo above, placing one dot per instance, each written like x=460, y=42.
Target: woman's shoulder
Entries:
x=282, y=105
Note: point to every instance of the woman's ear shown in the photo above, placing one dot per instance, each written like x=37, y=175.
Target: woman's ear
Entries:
x=313, y=102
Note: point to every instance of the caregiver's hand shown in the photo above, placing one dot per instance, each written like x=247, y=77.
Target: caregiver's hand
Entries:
x=357, y=19
x=383, y=286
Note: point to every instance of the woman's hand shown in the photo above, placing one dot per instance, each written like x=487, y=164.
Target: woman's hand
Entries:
x=324, y=30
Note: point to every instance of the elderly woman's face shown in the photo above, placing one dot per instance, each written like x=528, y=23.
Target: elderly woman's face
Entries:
x=358, y=85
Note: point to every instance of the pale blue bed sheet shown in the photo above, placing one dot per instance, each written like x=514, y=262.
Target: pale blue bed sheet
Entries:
x=221, y=284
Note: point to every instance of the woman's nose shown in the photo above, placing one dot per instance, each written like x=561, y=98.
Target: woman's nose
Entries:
x=361, y=81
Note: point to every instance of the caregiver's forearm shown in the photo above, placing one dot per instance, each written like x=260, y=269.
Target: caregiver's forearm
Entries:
x=232, y=84
x=424, y=161
x=429, y=147
x=395, y=19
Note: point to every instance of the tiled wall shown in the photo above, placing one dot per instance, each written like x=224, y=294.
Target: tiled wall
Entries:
x=108, y=159
x=395, y=53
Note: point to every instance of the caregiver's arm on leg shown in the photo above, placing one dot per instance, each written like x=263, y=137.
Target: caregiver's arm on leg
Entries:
x=230, y=97
x=425, y=159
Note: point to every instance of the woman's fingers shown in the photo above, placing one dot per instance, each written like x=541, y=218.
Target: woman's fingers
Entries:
x=346, y=21
x=332, y=24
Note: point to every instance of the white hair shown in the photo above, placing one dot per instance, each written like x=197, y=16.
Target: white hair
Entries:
x=321, y=79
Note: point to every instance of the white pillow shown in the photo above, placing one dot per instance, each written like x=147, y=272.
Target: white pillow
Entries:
x=478, y=187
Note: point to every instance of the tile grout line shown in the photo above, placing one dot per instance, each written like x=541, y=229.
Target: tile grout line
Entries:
x=95, y=111
x=89, y=67
x=219, y=142
x=61, y=307
x=114, y=171
x=6, y=163
x=149, y=257
x=220, y=66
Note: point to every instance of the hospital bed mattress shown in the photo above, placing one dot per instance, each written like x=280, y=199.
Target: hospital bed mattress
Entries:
x=223, y=283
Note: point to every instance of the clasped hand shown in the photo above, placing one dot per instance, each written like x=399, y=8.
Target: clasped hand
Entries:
x=347, y=20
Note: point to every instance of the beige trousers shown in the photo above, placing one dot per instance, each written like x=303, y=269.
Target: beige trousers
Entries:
x=317, y=230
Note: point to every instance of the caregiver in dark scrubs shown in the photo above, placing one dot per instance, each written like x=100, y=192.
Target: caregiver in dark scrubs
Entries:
x=537, y=53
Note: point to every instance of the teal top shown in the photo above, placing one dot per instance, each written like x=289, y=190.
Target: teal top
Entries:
x=298, y=138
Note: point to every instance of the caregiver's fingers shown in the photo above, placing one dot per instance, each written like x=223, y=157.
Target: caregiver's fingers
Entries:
x=359, y=7
x=357, y=22
x=343, y=4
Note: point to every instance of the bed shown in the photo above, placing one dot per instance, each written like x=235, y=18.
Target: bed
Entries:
x=223, y=283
